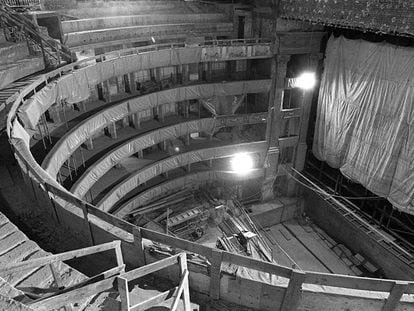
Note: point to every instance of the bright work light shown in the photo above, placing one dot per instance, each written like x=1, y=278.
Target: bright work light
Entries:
x=306, y=81
x=241, y=163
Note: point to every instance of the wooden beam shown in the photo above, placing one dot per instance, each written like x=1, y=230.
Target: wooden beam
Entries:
x=150, y=268
x=177, y=242
x=215, y=273
x=395, y=296
x=293, y=292
x=122, y=285
x=79, y=294
x=153, y=300
x=119, y=257
x=59, y=257
x=256, y=264
x=139, y=246
x=186, y=289
x=180, y=290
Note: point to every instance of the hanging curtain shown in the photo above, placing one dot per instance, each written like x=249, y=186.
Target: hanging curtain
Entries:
x=365, y=118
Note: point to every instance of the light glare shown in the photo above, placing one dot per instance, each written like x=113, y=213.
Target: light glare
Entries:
x=241, y=163
x=306, y=80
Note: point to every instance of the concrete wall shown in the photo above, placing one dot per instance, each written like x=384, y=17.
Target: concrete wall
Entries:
x=331, y=221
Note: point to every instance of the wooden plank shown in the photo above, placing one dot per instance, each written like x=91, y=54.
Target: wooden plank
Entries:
x=293, y=292
x=79, y=294
x=186, y=292
x=118, y=253
x=327, y=257
x=176, y=242
x=180, y=290
x=122, y=284
x=150, y=268
x=215, y=273
x=256, y=264
x=299, y=254
x=102, y=276
x=111, y=219
x=59, y=257
x=154, y=300
x=352, y=282
x=395, y=296
x=139, y=246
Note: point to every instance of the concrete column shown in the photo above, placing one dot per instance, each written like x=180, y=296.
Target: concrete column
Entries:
x=54, y=114
x=185, y=73
x=106, y=92
x=160, y=113
x=187, y=139
x=89, y=144
x=306, y=102
x=136, y=121
x=278, y=71
x=112, y=130
x=131, y=80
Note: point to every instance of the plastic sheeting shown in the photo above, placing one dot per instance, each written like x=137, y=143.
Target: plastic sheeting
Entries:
x=188, y=181
x=75, y=87
x=143, y=175
x=105, y=163
x=62, y=150
x=365, y=120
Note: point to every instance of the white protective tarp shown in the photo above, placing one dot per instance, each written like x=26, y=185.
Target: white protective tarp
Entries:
x=115, y=156
x=366, y=115
x=145, y=174
x=74, y=87
x=90, y=126
x=193, y=180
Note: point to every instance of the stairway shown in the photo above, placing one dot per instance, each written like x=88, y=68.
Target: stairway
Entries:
x=16, y=61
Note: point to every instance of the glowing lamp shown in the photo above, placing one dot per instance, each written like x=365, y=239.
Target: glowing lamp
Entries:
x=306, y=81
x=241, y=163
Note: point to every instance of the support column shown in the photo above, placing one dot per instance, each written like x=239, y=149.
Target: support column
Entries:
x=306, y=108
x=136, y=120
x=185, y=73
x=112, y=130
x=278, y=72
x=89, y=144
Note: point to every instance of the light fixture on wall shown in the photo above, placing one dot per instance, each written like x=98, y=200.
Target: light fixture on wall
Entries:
x=241, y=163
x=306, y=81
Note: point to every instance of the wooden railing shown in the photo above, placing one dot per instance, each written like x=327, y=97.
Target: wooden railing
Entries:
x=182, y=290
x=53, y=298
x=66, y=297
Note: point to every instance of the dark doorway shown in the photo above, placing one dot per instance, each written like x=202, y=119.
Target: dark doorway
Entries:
x=240, y=31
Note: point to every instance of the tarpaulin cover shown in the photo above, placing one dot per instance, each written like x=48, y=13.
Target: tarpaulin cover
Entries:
x=115, y=156
x=75, y=87
x=143, y=175
x=365, y=120
x=62, y=150
x=188, y=181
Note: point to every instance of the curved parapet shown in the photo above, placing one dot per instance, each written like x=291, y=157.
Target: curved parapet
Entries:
x=189, y=181
x=136, y=144
x=143, y=175
x=73, y=139
x=67, y=85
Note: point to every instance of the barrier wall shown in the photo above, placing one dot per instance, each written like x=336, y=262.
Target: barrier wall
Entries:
x=291, y=290
x=133, y=20
x=136, y=144
x=74, y=138
x=143, y=175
